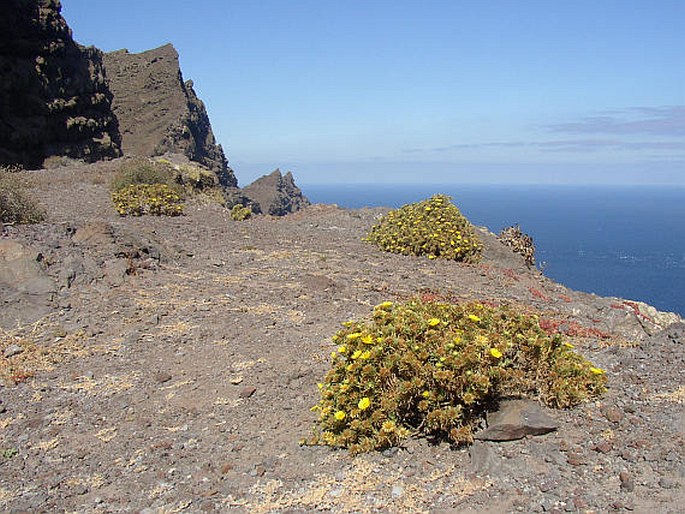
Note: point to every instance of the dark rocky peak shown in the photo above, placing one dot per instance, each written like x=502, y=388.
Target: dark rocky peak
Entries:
x=276, y=194
x=159, y=112
x=54, y=99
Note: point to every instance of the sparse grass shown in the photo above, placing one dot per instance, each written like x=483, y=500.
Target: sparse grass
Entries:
x=432, y=368
x=36, y=357
x=139, y=171
x=362, y=480
x=16, y=205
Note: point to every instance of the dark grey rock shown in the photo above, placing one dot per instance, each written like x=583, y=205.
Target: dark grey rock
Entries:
x=516, y=419
x=669, y=483
x=54, y=99
x=116, y=271
x=627, y=481
x=26, y=291
x=484, y=459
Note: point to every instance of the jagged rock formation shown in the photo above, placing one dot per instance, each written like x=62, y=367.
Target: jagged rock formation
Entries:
x=54, y=100
x=158, y=112
x=519, y=242
x=276, y=194
x=58, y=98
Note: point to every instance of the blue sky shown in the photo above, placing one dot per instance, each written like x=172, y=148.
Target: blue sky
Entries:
x=520, y=91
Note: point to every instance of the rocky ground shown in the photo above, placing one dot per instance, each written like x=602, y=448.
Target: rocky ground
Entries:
x=169, y=365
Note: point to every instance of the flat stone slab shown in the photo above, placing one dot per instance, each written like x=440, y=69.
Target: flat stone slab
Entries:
x=516, y=419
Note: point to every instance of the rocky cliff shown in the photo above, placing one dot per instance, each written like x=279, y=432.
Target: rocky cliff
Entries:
x=54, y=98
x=58, y=98
x=276, y=194
x=158, y=112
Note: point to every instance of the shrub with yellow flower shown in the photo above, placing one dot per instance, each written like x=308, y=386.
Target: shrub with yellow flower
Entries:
x=434, y=227
x=401, y=373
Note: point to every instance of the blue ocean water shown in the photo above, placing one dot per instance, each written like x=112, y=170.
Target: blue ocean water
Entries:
x=625, y=241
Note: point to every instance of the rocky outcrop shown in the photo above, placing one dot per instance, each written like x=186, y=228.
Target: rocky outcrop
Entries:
x=158, y=112
x=54, y=99
x=25, y=288
x=276, y=194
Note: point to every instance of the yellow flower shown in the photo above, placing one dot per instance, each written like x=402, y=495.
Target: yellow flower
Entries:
x=353, y=336
x=426, y=394
x=569, y=345
x=597, y=371
x=473, y=317
x=433, y=322
x=342, y=348
x=388, y=426
x=364, y=403
x=339, y=415
x=495, y=353
x=384, y=305
x=357, y=354
x=365, y=355
x=367, y=339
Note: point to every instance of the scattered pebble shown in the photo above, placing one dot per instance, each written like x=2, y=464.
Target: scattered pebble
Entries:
x=627, y=482
x=12, y=350
x=247, y=392
x=162, y=377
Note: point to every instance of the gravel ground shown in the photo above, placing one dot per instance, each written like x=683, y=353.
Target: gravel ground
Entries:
x=173, y=367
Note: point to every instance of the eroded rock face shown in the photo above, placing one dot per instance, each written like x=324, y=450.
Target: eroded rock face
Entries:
x=276, y=194
x=54, y=99
x=158, y=112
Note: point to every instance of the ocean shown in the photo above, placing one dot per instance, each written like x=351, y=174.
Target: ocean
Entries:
x=624, y=241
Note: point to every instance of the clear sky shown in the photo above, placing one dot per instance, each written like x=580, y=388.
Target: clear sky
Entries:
x=453, y=91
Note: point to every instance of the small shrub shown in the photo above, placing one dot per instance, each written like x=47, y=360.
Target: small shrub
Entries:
x=9, y=453
x=142, y=186
x=16, y=206
x=433, y=227
x=144, y=171
x=140, y=199
x=432, y=368
x=240, y=212
x=519, y=242
x=197, y=179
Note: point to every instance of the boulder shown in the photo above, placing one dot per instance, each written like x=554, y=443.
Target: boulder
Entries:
x=276, y=194
x=515, y=419
x=25, y=288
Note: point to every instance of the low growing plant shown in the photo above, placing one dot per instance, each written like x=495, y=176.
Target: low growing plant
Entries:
x=434, y=228
x=240, y=212
x=140, y=199
x=142, y=186
x=140, y=170
x=16, y=206
x=431, y=368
